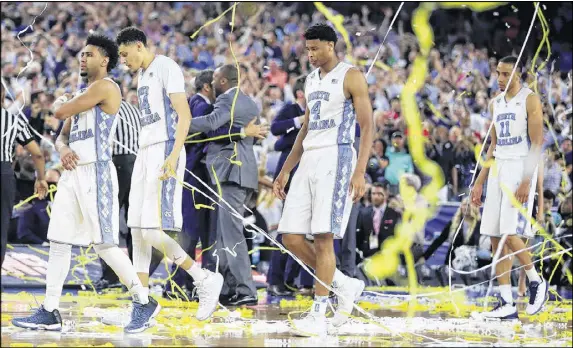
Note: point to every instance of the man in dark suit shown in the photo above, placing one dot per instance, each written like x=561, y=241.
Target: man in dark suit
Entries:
x=235, y=182
x=375, y=222
x=283, y=270
x=199, y=224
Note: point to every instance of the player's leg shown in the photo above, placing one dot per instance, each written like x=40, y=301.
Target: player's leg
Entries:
x=162, y=212
x=521, y=284
x=65, y=220
x=515, y=225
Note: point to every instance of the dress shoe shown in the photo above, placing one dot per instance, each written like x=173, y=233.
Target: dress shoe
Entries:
x=240, y=300
x=306, y=291
x=106, y=284
x=277, y=290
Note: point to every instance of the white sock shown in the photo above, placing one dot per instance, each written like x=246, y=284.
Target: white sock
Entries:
x=338, y=279
x=532, y=275
x=196, y=272
x=119, y=262
x=319, y=305
x=58, y=268
x=506, y=294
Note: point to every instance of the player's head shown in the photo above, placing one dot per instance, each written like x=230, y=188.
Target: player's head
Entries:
x=504, y=68
x=132, y=47
x=99, y=53
x=320, y=42
x=224, y=78
x=203, y=82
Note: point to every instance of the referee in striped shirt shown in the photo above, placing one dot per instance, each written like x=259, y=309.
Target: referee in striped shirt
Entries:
x=15, y=128
x=124, y=149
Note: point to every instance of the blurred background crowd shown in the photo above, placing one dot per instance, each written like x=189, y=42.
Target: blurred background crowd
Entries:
x=268, y=43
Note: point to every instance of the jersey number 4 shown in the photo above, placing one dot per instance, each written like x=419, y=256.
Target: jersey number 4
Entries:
x=315, y=111
x=504, y=129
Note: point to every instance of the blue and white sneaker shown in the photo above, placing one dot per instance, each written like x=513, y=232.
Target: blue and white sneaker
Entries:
x=502, y=311
x=41, y=320
x=142, y=315
x=538, y=293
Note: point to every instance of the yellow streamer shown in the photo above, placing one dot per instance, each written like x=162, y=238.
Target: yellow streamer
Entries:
x=338, y=22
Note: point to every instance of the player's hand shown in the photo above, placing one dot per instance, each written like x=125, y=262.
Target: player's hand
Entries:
x=280, y=184
x=476, y=194
x=522, y=193
x=357, y=186
x=41, y=188
x=258, y=131
x=69, y=158
x=169, y=167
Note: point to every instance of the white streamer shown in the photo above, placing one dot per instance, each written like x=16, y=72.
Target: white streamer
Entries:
x=384, y=39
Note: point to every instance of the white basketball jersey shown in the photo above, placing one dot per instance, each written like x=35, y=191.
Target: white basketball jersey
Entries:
x=511, y=125
x=154, y=84
x=332, y=116
x=92, y=133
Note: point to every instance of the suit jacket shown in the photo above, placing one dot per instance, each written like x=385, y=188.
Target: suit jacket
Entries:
x=365, y=228
x=219, y=155
x=283, y=125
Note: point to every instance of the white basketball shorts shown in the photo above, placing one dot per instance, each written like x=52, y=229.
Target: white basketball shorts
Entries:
x=499, y=215
x=153, y=203
x=86, y=208
x=318, y=200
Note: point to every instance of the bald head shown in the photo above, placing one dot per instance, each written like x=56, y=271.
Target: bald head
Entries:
x=224, y=78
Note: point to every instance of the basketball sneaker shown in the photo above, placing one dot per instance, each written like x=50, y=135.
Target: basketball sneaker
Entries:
x=208, y=291
x=142, y=315
x=538, y=292
x=502, y=311
x=311, y=325
x=350, y=289
x=42, y=319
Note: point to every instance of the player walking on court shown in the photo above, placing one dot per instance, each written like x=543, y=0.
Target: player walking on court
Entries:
x=155, y=196
x=319, y=200
x=86, y=208
x=516, y=147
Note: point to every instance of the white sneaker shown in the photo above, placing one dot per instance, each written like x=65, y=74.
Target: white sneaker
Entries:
x=538, y=292
x=313, y=324
x=350, y=289
x=208, y=291
x=502, y=311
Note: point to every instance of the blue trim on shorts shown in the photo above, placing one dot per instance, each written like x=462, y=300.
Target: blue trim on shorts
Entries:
x=168, y=194
x=105, y=201
x=103, y=128
x=342, y=182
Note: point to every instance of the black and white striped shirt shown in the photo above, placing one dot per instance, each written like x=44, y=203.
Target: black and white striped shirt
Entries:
x=13, y=128
x=128, y=128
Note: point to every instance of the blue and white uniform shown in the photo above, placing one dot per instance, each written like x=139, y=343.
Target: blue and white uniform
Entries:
x=156, y=204
x=86, y=208
x=318, y=200
x=512, y=148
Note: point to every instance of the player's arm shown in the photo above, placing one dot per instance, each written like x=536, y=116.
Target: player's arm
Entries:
x=535, y=130
x=94, y=95
x=296, y=153
x=63, y=139
x=181, y=107
x=355, y=84
x=489, y=155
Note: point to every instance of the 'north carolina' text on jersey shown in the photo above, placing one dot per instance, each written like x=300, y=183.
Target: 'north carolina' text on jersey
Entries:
x=332, y=117
x=510, y=120
x=154, y=85
x=92, y=133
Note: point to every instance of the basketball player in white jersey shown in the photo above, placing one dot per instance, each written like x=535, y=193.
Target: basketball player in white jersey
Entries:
x=156, y=193
x=516, y=146
x=329, y=177
x=86, y=210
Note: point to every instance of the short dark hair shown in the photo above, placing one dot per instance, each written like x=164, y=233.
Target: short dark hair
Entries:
x=320, y=32
x=230, y=72
x=204, y=77
x=511, y=60
x=107, y=48
x=379, y=184
x=130, y=35
x=547, y=194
